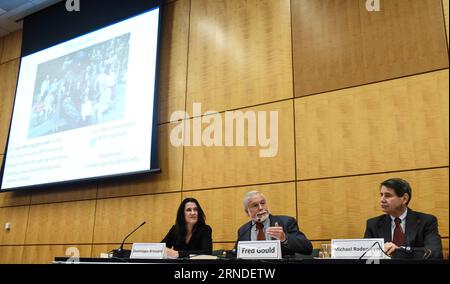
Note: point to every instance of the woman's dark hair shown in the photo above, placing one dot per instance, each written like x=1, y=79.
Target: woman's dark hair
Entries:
x=399, y=186
x=180, y=222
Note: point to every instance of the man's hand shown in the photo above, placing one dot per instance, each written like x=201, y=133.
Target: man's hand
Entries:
x=276, y=232
x=390, y=248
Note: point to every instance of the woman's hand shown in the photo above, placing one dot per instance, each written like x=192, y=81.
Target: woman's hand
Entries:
x=171, y=253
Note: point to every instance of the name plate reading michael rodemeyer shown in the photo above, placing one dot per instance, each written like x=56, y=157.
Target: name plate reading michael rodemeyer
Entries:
x=356, y=248
x=148, y=250
x=259, y=250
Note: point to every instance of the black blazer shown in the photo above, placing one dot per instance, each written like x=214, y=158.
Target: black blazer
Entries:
x=297, y=241
x=200, y=242
x=421, y=231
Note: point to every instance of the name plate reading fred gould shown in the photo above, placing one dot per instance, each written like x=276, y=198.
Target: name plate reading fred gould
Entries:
x=259, y=250
x=356, y=248
x=148, y=250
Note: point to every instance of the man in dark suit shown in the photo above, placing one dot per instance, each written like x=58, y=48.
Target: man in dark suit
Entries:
x=264, y=226
x=401, y=227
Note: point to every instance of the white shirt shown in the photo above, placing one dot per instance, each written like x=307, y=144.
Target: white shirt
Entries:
x=402, y=224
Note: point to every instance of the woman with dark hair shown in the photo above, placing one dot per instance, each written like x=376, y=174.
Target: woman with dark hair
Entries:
x=190, y=234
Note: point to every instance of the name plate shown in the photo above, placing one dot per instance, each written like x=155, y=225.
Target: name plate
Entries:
x=148, y=250
x=259, y=250
x=355, y=248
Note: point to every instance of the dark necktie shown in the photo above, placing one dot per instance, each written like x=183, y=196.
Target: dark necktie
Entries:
x=261, y=236
x=399, y=236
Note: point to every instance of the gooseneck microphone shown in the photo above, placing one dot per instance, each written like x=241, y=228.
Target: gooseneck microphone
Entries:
x=258, y=219
x=234, y=250
x=407, y=248
x=413, y=252
x=120, y=251
x=247, y=230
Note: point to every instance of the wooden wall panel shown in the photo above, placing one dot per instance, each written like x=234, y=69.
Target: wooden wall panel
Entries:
x=225, y=213
x=18, y=217
x=338, y=44
x=340, y=207
x=211, y=167
x=64, y=193
x=394, y=125
x=431, y=194
x=11, y=254
x=408, y=37
x=47, y=254
x=327, y=51
x=14, y=198
x=239, y=53
x=98, y=249
x=173, y=59
x=168, y=180
x=225, y=246
x=12, y=44
x=61, y=223
x=116, y=217
x=8, y=79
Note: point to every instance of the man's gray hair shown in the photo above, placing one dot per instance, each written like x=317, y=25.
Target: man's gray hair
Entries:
x=249, y=195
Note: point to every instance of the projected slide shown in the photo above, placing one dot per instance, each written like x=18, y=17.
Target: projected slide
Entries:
x=84, y=108
x=80, y=89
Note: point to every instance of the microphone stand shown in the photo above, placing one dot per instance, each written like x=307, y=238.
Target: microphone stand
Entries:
x=234, y=250
x=375, y=243
x=120, y=252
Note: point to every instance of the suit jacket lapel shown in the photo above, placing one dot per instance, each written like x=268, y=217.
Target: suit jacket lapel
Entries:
x=272, y=221
x=247, y=235
x=384, y=228
x=411, y=227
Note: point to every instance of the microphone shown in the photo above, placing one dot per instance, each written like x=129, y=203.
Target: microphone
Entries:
x=407, y=248
x=248, y=229
x=120, y=252
x=257, y=220
x=413, y=252
x=259, y=216
x=233, y=251
x=408, y=251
